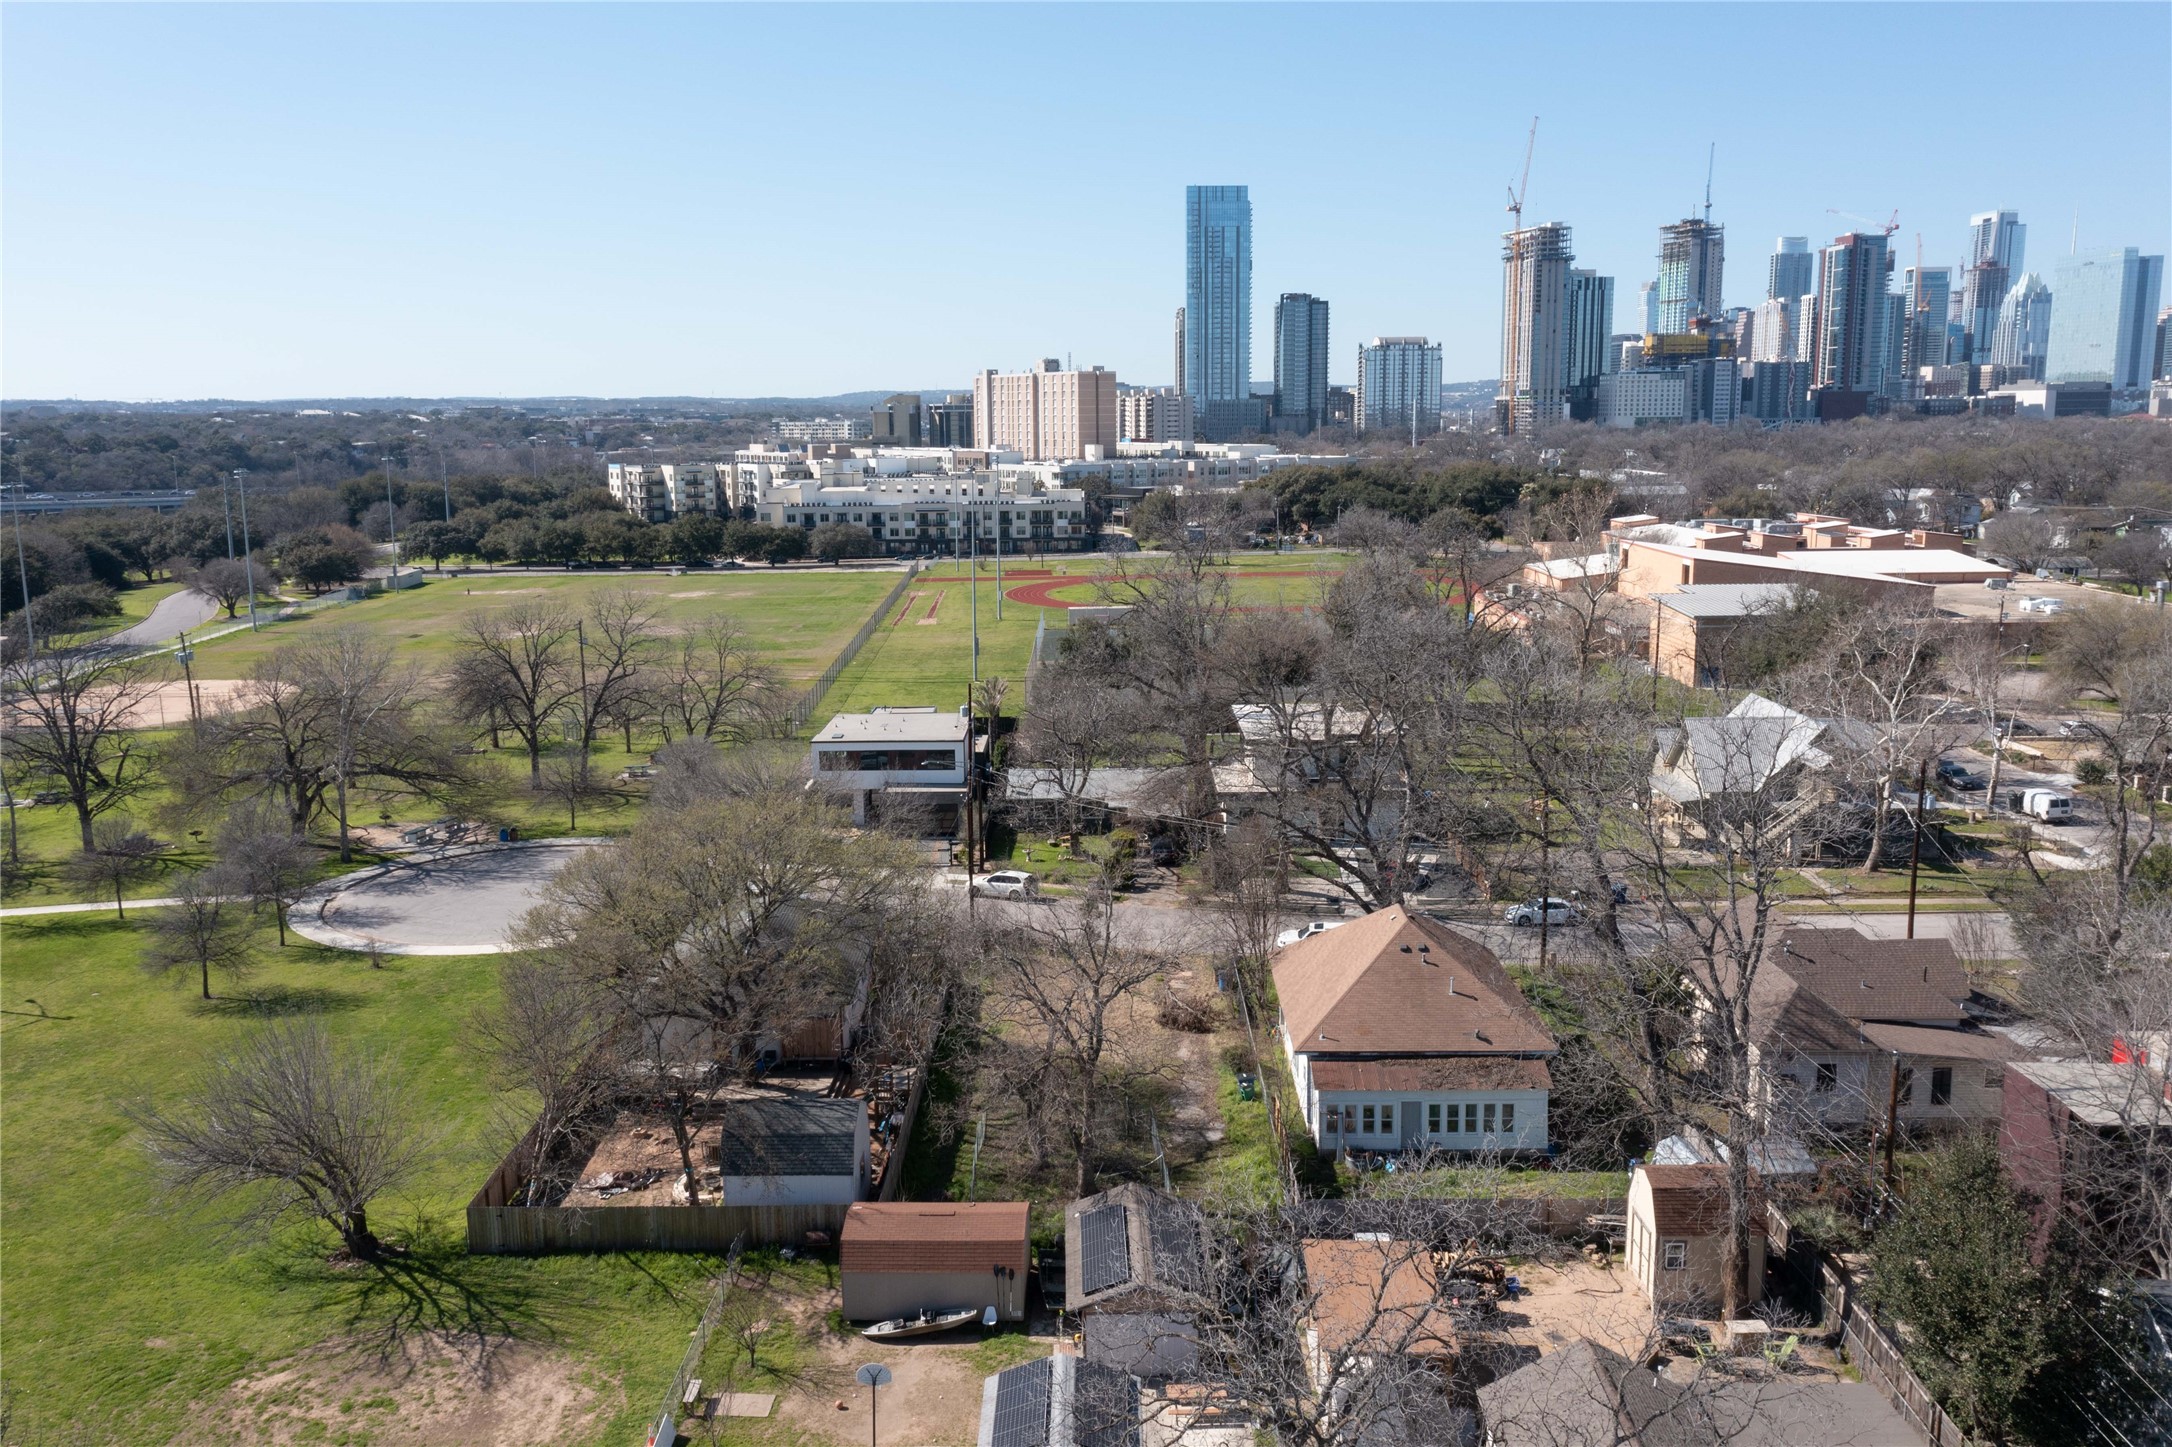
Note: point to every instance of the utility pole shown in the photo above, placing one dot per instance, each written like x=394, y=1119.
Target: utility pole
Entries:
x=22, y=578
x=1915, y=848
x=226, y=491
x=1892, y=1115
x=580, y=634
x=1546, y=901
x=248, y=555
x=972, y=523
x=392, y=522
x=444, y=480
x=184, y=655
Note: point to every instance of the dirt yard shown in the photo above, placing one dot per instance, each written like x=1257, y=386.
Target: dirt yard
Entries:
x=432, y=1397
x=1564, y=1303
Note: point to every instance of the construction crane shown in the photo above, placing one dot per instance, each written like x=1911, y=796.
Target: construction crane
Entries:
x=1891, y=224
x=1710, y=159
x=1517, y=192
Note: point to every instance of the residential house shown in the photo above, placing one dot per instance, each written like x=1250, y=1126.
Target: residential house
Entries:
x=1060, y=1401
x=1694, y=628
x=2083, y=1137
x=1586, y=1393
x=1761, y=768
x=896, y=1258
x=1847, y=1029
x=1403, y=1035
x=1300, y=748
x=1374, y=1303
x=890, y=760
x=794, y=1150
x=1676, y=1236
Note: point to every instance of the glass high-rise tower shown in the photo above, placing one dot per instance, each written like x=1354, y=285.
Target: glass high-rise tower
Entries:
x=1300, y=362
x=1788, y=276
x=1218, y=305
x=2103, y=318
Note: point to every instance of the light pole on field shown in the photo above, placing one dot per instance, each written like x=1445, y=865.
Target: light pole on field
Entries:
x=248, y=555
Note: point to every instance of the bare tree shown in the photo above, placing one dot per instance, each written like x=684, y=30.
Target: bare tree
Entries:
x=714, y=686
x=547, y=1035
x=613, y=645
x=71, y=714
x=1073, y=726
x=289, y=1124
x=223, y=581
x=262, y=860
x=516, y=668
x=199, y=931
x=1058, y=988
x=369, y=708
x=2027, y=540
x=120, y=855
x=568, y=782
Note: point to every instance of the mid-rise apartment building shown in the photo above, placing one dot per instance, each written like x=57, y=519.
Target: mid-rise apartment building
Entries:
x=1046, y=413
x=950, y=421
x=895, y=421
x=1300, y=363
x=910, y=512
x=659, y=492
x=818, y=429
x=1153, y=414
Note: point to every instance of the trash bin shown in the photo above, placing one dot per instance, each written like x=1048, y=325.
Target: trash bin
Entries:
x=505, y=836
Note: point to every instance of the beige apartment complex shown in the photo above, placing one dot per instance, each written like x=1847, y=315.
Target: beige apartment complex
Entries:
x=1047, y=414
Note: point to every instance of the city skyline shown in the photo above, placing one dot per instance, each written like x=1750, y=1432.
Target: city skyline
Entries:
x=449, y=224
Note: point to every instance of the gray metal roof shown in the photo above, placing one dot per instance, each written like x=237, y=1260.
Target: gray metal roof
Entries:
x=800, y=1135
x=1727, y=600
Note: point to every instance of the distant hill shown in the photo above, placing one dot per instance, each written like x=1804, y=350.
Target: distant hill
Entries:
x=582, y=406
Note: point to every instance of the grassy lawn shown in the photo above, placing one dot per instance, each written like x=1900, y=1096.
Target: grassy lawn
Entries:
x=797, y=620
x=128, y=1314
x=137, y=603
x=1510, y=1181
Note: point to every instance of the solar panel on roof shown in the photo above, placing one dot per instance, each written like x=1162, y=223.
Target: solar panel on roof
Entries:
x=1021, y=1413
x=1104, y=1249
x=1173, y=1232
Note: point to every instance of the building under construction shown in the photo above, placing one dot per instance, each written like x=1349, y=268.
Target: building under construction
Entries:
x=1534, y=328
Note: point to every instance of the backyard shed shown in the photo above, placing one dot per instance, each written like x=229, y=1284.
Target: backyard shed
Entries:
x=794, y=1150
x=897, y=1257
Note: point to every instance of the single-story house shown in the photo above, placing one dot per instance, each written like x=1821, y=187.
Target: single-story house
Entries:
x=899, y=1257
x=794, y=1150
x=2060, y=1114
x=1586, y=1393
x=1130, y=1249
x=1372, y=1301
x=1675, y=1249
x=1060, y=1401
x=1835, y=1014
x=1402, y=1035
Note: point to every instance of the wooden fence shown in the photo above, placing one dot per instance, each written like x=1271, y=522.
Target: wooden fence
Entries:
x=1869, y=1346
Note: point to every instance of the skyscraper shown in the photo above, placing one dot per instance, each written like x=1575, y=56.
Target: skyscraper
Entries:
x=1848, y=365
x=1789, y=274
x=1398, y=389
x=1534, y=328
x=2164, y=344
x=2102, y=327
x=2024, y=327
x=1692, y=256
x=1180, y=352
x=1995, y=240
x=1772, y=331
x=1929, y=291
x=1218, y=306
x=1648, y=303
x=1300, y=362
x=1589, y=302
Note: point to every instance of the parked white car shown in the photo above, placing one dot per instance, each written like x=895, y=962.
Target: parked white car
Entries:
x=1531, y=912
x=1306, y=931
x=1008, y=884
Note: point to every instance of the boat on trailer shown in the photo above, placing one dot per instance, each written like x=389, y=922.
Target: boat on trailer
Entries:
x=927, y=1323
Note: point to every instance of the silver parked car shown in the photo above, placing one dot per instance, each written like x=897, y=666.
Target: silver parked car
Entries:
x=1532, y=912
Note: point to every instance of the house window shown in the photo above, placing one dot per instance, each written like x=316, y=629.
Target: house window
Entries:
x=1387, y=1120
x=1432, y=1118
x=1489, y=1117
x=1368, y=1117
x=1349, y=1120
x=1828, y=1078
x=1331, y=1121
x=1508, y=1120
x=1942, y=1085
x=1677, y=1255
x=1907, y=1088
x=1470, y=1120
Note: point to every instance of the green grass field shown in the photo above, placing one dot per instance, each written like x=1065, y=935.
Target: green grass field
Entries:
x=923, y=652
x=128, y=1314
x=798, y=620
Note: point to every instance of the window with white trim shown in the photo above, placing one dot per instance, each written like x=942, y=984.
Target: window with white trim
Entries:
x=1432, y=1118
x=1508, y=1119
x=1677, y=1255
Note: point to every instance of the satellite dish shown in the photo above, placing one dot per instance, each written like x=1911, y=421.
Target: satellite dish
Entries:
x=874, y=1374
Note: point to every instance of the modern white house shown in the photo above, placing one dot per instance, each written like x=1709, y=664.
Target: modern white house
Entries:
x=1403, y=1035
x=894, y=756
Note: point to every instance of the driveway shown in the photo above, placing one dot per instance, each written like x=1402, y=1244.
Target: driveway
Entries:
x=460, y=903
x=174, y=615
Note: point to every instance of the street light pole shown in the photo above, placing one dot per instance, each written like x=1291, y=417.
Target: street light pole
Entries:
x=248, y=554
x=22, y=578
x=392, y=522
x=226, y=491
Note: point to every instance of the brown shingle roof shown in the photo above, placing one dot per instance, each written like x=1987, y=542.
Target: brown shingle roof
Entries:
x=1935, y=1044
x=1867, y=979
x=1394, y=984
x=1485, y=1072
x=1688, y=1200
x=1377, y=1296
x=934, y=1236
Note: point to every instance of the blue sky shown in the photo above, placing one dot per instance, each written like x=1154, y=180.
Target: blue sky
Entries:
x=262, y=200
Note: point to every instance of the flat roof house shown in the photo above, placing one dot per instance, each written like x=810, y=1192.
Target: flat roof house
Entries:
x=1403, y=1035
x=896, y=1258
x=893, y=758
